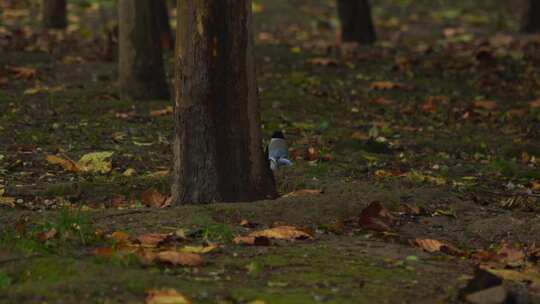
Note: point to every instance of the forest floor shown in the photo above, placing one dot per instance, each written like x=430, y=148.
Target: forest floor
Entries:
x=439, y=122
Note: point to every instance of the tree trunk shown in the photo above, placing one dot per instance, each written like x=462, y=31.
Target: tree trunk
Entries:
x=217, y=151
x=164, y=25
x=141, y=71
x=531, y=17
x=54, y=14
x=356, y=21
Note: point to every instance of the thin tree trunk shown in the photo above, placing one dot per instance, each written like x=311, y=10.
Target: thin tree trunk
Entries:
x=141, y=71
x=164, y=25
x=356, y=21
x=531, y=17
x=54, y=14
x=217, y=151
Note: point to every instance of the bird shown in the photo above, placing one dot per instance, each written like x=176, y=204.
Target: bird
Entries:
x=278, y=151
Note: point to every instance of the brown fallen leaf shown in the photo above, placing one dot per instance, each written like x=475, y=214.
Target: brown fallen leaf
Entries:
x=120, y=237
x=375, y=217
x=311, y=154
x=104, y=252
x=66, y=164
x=283, y=233
x=152, y=239
x=252, y=240
x=4, y=81
x=45, y=236
x=166, y=296
x=382, y=101
x=535, y=104
x=153, y=198
x=304, y=192
x=23, y=72
x=431, y=245
x=323, y=61
x=511, y=256
x=166, y=111
x=386, y=85
x=489, y=105
x=180, y=258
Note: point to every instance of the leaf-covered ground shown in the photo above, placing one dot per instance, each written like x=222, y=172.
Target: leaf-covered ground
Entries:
x=439, y=122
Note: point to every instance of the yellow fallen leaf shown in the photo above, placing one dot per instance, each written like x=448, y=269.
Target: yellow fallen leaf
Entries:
x=529, y=274
x=7, y=201
x=96, y=162
x=282, y=233
x=198, y=249
x=166, y=296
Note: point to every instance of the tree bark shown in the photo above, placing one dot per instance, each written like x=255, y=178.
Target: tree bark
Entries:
x=164, y=25
x=54, y=14
x=356, y=21
x=141, y=71
x=218, y=153
x=531, y=17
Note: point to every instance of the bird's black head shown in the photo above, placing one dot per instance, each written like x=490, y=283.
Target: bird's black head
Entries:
x=278, y=134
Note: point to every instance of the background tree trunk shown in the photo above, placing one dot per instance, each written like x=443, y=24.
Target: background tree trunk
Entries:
x=164, y=25
x=218, y=150
x=54, y=14
x=356, y=21
x=531, y=17
x=141, y=72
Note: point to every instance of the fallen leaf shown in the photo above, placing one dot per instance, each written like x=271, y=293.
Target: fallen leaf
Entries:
x=166, y=296
x=511, y=256
x=199, y=249
x=431, y=245
x=166, y=111
x=311, y=154
x=66, y=164
x=386, y=85
x=45, y=236
x=120, y=237
x=252, y=240
x=283, y=233
x=323, y=61
x=382, y=101
x=7, y=201
x=105, y=252
x=485, y=104
x=153, y=198
x=96, y=162
x=180, y=258
x=152, y=239
x=304, y=192
x=23, y=72
x=529, y=274
x=535, y=104
x=375, y=217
